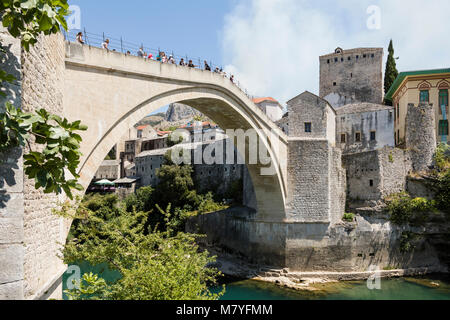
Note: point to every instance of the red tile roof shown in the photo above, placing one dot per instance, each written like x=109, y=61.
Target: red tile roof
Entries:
x=259, y=100
x=141, y=127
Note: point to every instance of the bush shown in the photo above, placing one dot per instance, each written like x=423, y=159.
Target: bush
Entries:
x=349, y=217
x=403, y=209
x=153, y=265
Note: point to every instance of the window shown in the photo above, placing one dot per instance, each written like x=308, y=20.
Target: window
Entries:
x=424, y=96
x=443, y=127
x=343, y=138
x=328, y=61
x=349, y=58
x=371, y=183
x=342, y=59
x=358, y=137
x=364, y=55
x=334, y=84
x=443, y=99
x=395, y=137
x=308, y=127
x=351, y=75
x=373, y=55
x=357, y=56
x=373, y=136
x=335, y=59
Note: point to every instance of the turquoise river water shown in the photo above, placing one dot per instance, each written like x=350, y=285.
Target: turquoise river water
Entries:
x=431, y=287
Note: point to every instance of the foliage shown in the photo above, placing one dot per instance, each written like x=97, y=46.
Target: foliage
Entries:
x=141, y=201
x=90, y=287
x=60, y=147
x=391, y=158
x=441, y=178
x=26, y=19
x=442, y=157
x=154, y=265
x=391, y=69
x=407, y=241
x=349, y=217
x=403, y=209
x=171, y=142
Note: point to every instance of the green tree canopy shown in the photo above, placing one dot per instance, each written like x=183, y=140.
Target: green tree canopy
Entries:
x=391, y=69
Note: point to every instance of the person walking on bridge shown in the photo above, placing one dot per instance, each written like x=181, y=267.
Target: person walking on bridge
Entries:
x=105, y=45
x=80, y=38
x=207, y=67
x=141, y=52
x=191, y=64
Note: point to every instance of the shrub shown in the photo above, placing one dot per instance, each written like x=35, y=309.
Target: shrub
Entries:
x=349, y=217
x=403, y=209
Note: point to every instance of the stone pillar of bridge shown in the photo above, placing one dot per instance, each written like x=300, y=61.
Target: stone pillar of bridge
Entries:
x=30, y=234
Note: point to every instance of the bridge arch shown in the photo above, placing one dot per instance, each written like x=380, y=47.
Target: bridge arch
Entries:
x=115, y=91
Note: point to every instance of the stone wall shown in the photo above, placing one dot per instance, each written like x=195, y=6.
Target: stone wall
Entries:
x=374, y=175
x=12, y=251
x=42, y=86
x=350, y=76
x=309, y=108
x=364, y=119
x=309, y=181
x=421, y=135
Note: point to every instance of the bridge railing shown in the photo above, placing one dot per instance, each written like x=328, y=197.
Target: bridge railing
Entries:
x=126, y=47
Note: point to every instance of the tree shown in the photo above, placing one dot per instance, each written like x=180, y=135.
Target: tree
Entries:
x=59, y=151
x=154, y=265
x=391, y=69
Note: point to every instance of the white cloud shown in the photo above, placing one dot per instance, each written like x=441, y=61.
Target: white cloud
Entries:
x=273, y=46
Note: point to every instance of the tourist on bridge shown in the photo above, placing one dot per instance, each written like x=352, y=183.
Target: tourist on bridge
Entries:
x=150, y=57
x=232, y=78
x=105, y=44
x=141, y=52
x=171, y=59
x=191, y=64
x=80, y=38
x=182, y=63
x=207, y=67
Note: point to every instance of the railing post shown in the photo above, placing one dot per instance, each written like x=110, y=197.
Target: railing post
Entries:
x=121, y=45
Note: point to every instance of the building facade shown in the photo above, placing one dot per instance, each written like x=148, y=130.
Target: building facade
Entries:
x=271, y=107
x=364, y=126
x=352, y=76
x=415, y=87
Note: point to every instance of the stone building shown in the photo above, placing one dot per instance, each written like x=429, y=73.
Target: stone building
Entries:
x=109, y=169
x=147, y=164
x=312, y=117
x=271, y=107
x=315, y=173
x=364, y=126
x=425, y=86
x=352, y=76
x=376, y=174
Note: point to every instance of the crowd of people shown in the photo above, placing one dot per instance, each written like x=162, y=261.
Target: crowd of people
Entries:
x=162, y=57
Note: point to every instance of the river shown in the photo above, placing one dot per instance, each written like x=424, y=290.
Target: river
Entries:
x=431, y=287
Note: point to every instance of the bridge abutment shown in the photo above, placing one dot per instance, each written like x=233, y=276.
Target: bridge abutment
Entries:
x=30, y=234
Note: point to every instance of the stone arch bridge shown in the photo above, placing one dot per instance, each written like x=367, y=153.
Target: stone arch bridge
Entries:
x=110, y=92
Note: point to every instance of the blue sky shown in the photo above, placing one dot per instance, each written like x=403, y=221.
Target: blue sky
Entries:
x=186, y=27
x=272, y=46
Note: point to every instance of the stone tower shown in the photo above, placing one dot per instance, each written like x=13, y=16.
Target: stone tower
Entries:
x=421, y=135
x=352, y=76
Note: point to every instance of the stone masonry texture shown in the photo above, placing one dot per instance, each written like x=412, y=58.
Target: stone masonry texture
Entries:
x=12, y=250
x=354, y=75
x=421, y=135
x=43, y=81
